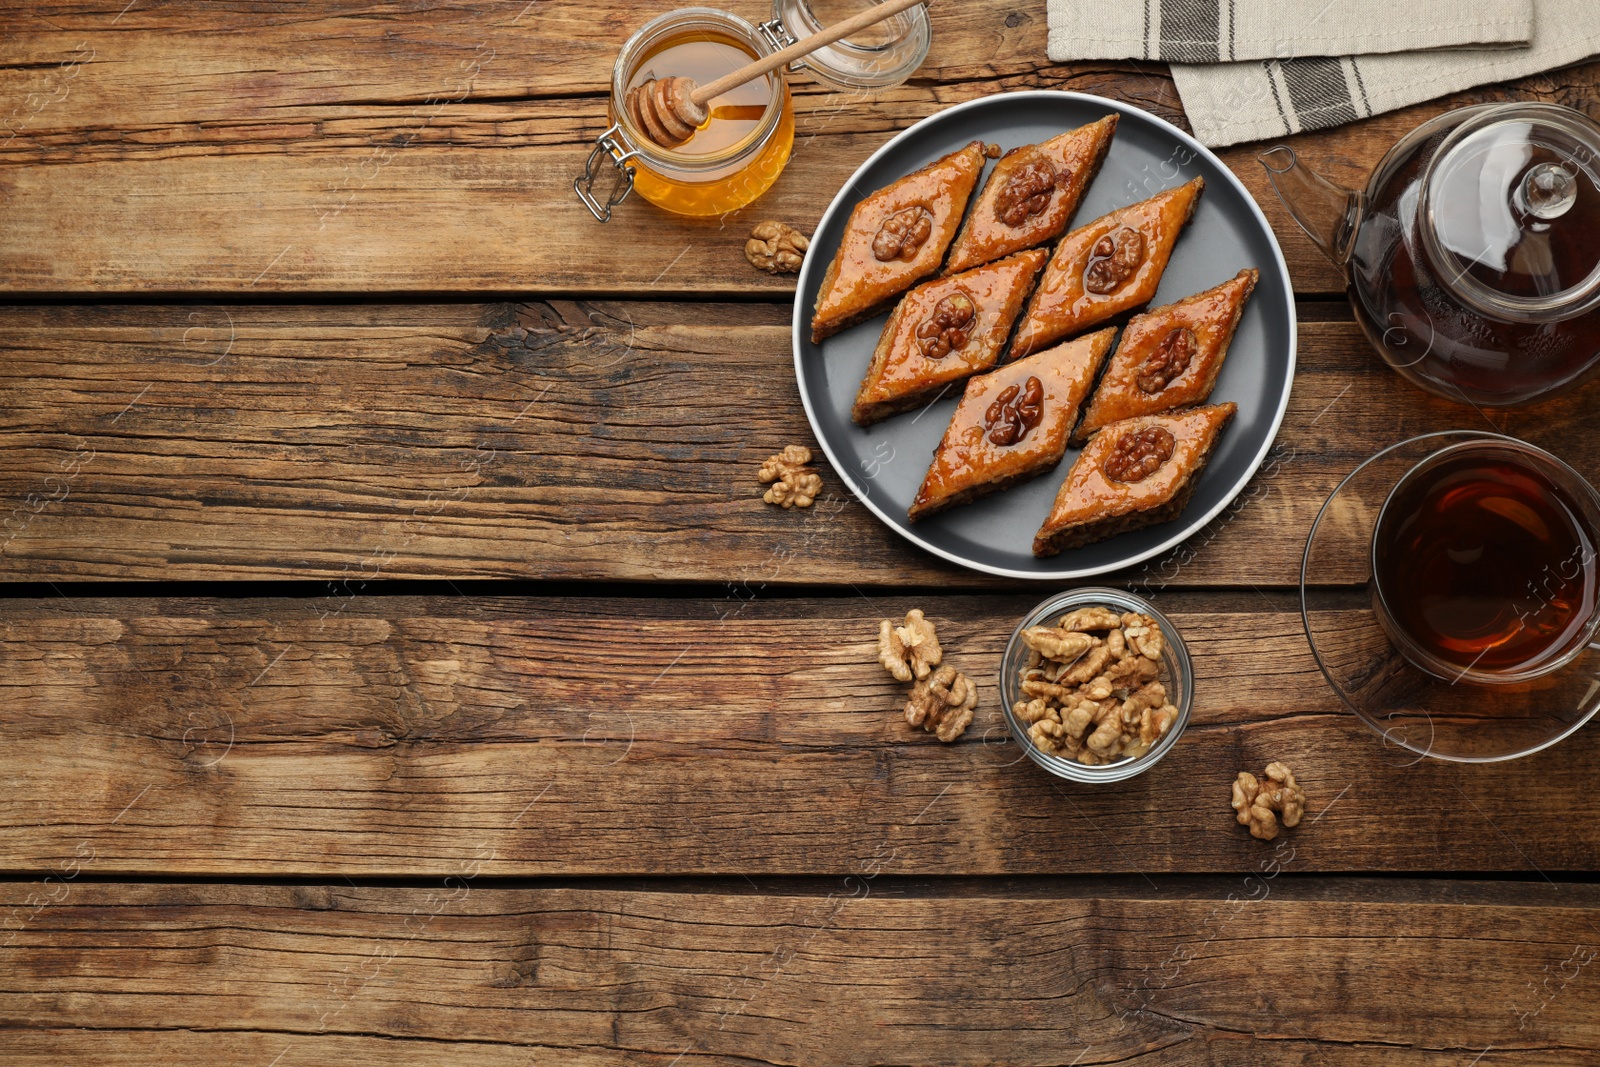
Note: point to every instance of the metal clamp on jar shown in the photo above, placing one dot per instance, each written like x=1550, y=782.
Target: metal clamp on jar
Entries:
x=739, y=153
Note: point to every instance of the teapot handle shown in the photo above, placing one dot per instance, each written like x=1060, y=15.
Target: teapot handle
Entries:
x=1328, y=213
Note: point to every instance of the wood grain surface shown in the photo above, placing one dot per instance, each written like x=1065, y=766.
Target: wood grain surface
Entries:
x=555, y=440
x=664, y=811
x=381, y=736
x=355, y=147
x=1229, y=971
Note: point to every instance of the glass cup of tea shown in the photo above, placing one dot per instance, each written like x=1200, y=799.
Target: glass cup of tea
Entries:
x=1484, y=563
x=1475, y=638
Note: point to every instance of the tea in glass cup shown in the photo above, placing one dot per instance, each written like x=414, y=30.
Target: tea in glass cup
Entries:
x=1484, y=563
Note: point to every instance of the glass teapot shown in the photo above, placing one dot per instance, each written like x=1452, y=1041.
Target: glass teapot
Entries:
x=1473, y=256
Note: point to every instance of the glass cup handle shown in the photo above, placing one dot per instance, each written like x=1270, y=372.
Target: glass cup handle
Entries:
x=613, y=143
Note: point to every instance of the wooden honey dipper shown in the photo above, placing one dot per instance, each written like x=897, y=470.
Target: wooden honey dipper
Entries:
x=670, y=110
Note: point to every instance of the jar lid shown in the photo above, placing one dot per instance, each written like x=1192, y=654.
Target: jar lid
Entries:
x=1512, y=205
x=878, y=57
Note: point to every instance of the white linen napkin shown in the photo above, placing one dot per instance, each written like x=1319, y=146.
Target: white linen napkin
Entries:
x=1321, y=63
x=1223, y=31
x=1231, y=102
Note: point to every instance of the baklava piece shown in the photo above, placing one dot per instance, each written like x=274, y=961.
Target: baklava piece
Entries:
x=1110, y=266
x=1012, y=424
x=896, y=237
x=1134, y=473
x=1031, y=195
x=943, y=331
x=1169, y=358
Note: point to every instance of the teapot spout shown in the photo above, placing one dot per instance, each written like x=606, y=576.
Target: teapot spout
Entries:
x=1328, y=213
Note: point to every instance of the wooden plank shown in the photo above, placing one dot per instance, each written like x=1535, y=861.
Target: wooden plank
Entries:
x=614, y=441
x=355, y=147
x=387, y=736
x=1231, y=971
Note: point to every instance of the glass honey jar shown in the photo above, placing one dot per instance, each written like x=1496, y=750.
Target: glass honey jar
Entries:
x=740, y=151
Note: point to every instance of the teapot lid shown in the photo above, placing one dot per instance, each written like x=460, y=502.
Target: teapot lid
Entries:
x=1511, y=201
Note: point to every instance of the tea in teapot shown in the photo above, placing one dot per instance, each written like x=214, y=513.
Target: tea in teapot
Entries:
x=1471, y=257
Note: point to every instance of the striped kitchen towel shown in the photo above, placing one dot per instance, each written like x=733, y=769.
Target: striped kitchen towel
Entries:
x=1298, y=85
x=1223, y=31
x=1231, y=102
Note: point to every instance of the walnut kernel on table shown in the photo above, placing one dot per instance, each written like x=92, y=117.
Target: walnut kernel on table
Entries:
x=776, y=248
x=942, y=703
x=1091, y=686
x=794, y=483
x=941, y=700
x=910, y=650
x=1259, y=802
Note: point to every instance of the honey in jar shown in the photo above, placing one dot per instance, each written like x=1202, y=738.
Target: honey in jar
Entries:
x=742, y=147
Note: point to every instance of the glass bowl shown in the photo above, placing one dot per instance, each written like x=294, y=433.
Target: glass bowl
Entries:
x=1176, y=675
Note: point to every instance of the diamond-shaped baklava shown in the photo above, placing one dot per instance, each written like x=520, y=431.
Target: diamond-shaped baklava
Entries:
x=1031, y=195
x=1133, y=473
x=894, y=238
x=1012, y=423
x=944, y=331
x=1170, y=357
x=1110, y=266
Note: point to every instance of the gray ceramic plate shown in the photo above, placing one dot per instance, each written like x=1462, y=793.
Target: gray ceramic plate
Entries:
x=884, y=464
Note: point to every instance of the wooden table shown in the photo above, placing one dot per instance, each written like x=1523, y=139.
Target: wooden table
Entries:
x=301, y=293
